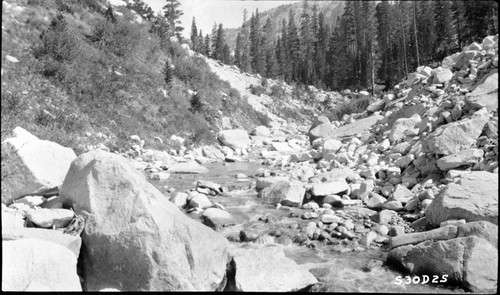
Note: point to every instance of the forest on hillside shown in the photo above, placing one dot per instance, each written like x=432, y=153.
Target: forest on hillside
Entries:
x=371, y=43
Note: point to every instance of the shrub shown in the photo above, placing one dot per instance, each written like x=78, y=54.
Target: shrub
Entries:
x=257, y=90
x=277, y=91
x=352, y=107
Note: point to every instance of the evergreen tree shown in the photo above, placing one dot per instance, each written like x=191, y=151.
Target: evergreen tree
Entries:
x=172, y=14
x=444, y=27
x=142, y=9
x=194, y=35
x=110, y=15
x=160, y=27
x=196, y=103
x=293, y=47
x=238, y=50
x=306, y=46
x=168, y=74
x=226, y=55
x=206, y=47
x=213, y=48
x=245, y=58
x=257, y=55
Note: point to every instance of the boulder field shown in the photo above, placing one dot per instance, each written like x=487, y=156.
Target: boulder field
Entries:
x=415, y=174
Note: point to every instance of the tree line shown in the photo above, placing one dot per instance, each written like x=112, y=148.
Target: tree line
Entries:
x=371, y=43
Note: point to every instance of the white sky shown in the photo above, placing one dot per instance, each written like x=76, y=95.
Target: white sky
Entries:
x=227, y=12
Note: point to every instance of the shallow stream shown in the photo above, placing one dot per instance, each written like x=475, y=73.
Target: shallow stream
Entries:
x=336, y=269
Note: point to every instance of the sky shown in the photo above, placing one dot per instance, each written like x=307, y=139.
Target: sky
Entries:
x=227, y=12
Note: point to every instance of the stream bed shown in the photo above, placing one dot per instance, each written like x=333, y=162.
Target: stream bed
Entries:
x=337, y=267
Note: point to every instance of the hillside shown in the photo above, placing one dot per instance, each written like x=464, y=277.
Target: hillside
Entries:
x=330, y=9
x=79, y=79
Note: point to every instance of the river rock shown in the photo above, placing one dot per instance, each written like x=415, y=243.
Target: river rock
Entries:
x=234, y=138
x=132, y=227
x=457, y=136
x=484, y=95
x=483, y=229
x=333, y=187
x=262, y=131
x=404, y=125
x=31, y=263
x=289, y=193
x=441, y=76
x=335, y=173
x=375, y=201
x=465, y=157
x=214, y=217
x=215, y=187
x=470, y=261
x=282, y=147
x=473, y=198
x=350, y=130
x=35, y=165
x=212, y=152
x=331, y=146
x=187, y=168
x=180, y=199
x=302, y=173
x=71, y=242
x=267, y=269
x=263, y=182
x=442, y=233
x=198, y=200
x=48, y=218
x=401, y=194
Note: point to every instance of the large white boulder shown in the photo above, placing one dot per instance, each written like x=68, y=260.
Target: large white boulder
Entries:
x=457, y=136
x=234, y=138
x=133, y=228
x=287, y=192
x=32, y=165
x=473, y=198
x=267, y=269
x=38, y=265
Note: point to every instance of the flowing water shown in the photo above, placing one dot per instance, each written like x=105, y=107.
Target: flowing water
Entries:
x=336, y=270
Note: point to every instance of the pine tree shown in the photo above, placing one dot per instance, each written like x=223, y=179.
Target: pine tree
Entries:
x=172, y=14
x=110, y=15
x=245, y=59
x=194, y=36
x=213, y=40
x=226, y=54
x=238, y=50
x=160, y=27
x=168, y=74
x=444, y=27
x=196, y=103
x=293, y=47
x=257, y=56
x=206, y=46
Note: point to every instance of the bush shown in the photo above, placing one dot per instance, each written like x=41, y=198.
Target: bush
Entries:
x=277, y=92
x=352, y=107
x=257, y=90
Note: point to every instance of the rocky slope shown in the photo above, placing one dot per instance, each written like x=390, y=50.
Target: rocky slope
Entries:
x=416, y=174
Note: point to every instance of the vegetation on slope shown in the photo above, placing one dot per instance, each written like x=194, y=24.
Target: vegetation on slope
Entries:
x=86, y=68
